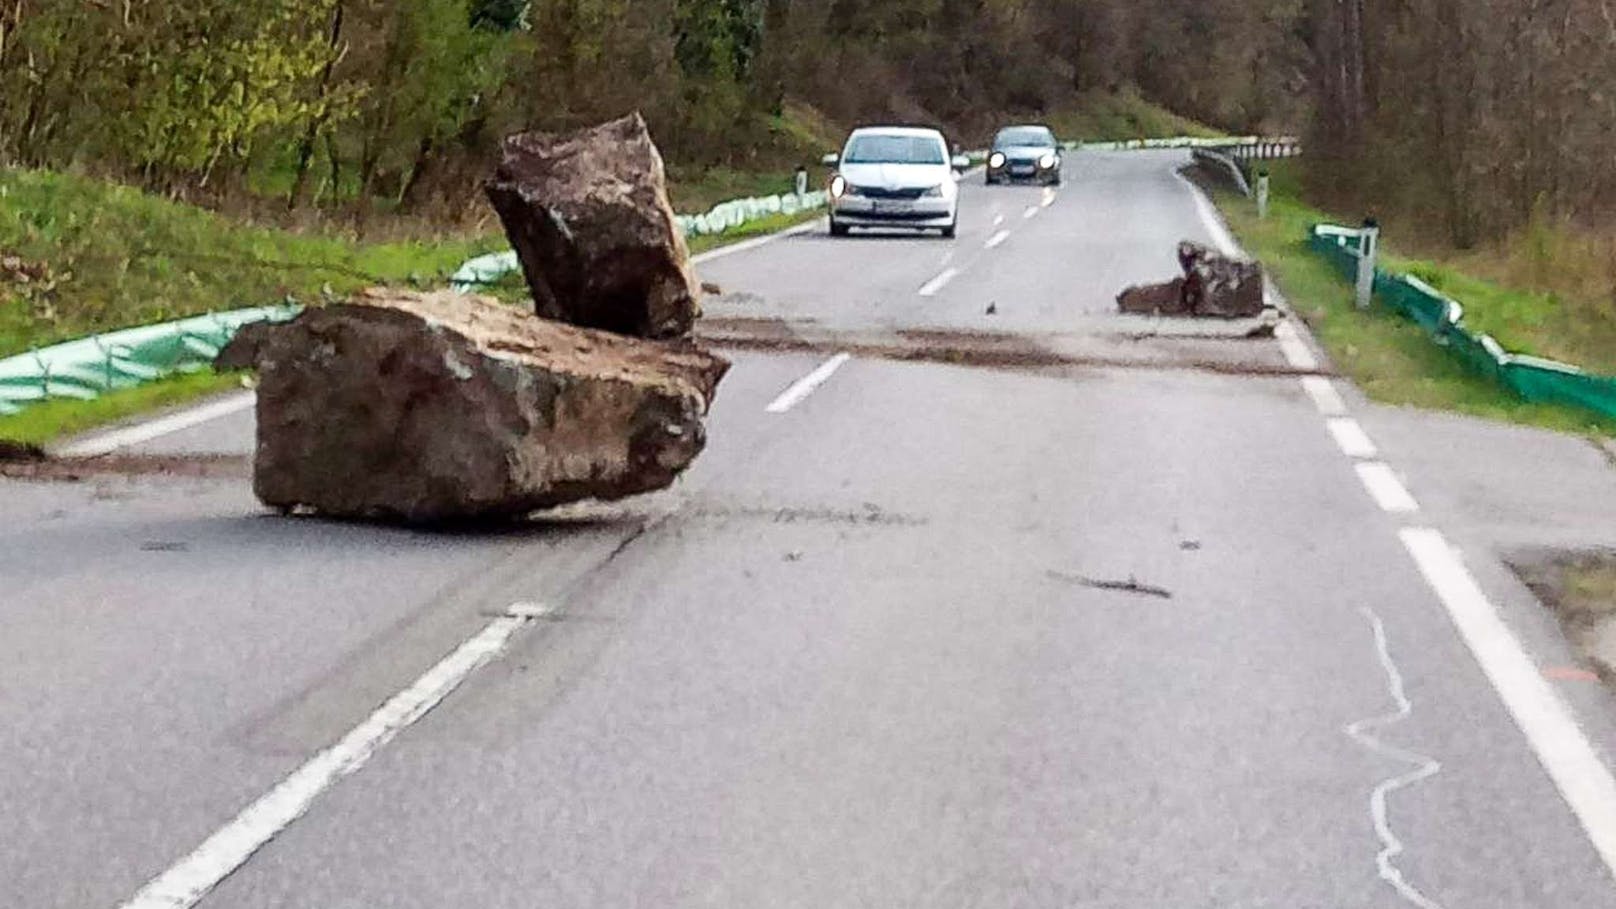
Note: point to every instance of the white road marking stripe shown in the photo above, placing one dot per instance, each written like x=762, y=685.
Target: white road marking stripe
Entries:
x=1296, y=352
x=1324, y=395
x=1049, y=198
x=1031, y=212
x=806, y=385
x=1424, y=768
x=997, y=220
x=935, y=284
x=996, y=239
x=1209, y=217
x=1352, y=438
x=1388, y=491
x=145, y=432
x=754, y=243
x=1549, y=725
x=187, y=882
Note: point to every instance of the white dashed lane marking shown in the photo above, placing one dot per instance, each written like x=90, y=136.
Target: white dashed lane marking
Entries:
x=188, y=881
x=807, y=385
x=1352, y=438
x=936, y=284
x=1384, y=487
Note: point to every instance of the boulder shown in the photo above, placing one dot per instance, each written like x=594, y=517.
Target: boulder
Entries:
x=1217, y=286
x=589, y=218
x=1213, y=286
x=1155, y=299
x=437, y=407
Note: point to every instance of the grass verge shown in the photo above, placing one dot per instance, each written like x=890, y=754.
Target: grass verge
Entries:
x=50, y=421
x=1391, y=359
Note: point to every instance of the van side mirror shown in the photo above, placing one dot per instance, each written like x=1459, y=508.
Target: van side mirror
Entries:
x=831, y=160
x=962, y=163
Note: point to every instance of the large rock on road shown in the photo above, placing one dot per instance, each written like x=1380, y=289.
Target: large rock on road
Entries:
x=437, y=407
x=1214, y=286
x=589, y=218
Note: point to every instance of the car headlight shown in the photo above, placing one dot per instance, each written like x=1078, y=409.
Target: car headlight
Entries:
x=1048, y=161
x=838, y=186
x=936, y=192
x=996, y=160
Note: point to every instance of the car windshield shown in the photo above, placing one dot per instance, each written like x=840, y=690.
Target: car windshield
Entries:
x=879, y=149
x=1024, y=136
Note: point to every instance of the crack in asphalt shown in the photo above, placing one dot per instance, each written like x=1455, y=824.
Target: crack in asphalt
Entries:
x=1425, y=768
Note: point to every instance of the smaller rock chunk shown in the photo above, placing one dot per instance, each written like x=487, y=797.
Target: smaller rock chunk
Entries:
x=589, y=218
x=1214, y=286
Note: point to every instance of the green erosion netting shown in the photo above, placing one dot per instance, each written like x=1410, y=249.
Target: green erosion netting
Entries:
x=88, y=367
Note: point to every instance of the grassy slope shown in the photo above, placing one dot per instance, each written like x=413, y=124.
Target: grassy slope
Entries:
x=1109, y=117
x=120, y=257
x=1391, y=359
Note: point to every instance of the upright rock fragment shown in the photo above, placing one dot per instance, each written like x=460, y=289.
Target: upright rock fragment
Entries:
x=1218, y=286
x=589, y=217
x=434, y=407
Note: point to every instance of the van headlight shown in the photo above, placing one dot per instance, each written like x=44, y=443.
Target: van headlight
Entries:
x=936, y=192
x=1048, y=162
x=838, y=186
x=996, y=160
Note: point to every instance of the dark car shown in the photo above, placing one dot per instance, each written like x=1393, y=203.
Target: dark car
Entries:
x=1025, y=154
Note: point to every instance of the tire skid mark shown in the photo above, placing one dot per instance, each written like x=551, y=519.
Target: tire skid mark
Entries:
x=1362, y=731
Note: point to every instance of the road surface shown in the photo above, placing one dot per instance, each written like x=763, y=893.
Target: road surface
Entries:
x=1114, y=629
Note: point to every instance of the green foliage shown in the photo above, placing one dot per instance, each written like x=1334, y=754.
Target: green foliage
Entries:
x=381, y=105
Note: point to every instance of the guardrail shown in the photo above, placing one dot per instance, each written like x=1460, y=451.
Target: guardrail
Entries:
x=1237, y=157
x=1530, y=378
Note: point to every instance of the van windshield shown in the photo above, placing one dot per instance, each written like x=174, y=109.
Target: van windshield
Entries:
x=895, y=150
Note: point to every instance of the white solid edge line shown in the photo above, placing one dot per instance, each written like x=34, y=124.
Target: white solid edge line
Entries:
x=188, y=881
x=1221, y=237
x=1384, y=487
x=1350, y=435
x=1297, y=353
x=754, y=243
x=1325, y=396
x=109, y=442
x=806, y=385
x=931, y=287
x=1550, y=727
x=996, y=239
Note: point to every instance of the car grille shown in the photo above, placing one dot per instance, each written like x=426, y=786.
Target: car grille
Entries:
x=877, y=192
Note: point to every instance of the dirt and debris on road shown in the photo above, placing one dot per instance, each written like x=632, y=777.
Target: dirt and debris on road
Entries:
x=1580, y=588
x=73, y=470
x=1213, y=286
x=1131, y=585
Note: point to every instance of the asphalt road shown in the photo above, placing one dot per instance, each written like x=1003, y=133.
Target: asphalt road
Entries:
x=923, y=635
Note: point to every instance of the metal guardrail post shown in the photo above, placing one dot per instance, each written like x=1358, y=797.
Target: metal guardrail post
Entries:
x=1262, y=195
x=1368, y=248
